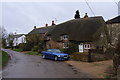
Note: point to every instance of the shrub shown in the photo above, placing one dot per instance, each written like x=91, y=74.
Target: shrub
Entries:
x=18, y=50
x=79, y=56
x=7, y=47
x=35, y=48
x=72, y=48
x=25, y=46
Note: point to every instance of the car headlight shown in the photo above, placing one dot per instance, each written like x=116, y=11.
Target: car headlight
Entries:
x=59, y=55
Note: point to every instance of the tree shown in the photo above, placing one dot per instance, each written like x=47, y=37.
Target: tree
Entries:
x=10, y=39
x=3, y=36
x=116, y=58
x=3, y=31
x=77, y=15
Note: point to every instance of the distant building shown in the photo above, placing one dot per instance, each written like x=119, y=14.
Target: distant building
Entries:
x=37, y=34
x=17, y=39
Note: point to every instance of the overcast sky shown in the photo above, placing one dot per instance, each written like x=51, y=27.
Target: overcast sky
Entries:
x=22, y=16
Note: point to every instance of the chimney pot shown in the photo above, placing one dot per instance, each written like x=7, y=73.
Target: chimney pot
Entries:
x=53, y=22
x=34, y=27
x=46, y=25
x=85, y=15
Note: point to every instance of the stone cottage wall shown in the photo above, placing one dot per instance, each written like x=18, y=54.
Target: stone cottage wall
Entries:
x=118, y=73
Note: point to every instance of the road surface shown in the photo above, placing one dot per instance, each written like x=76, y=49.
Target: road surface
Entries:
x=29, y=66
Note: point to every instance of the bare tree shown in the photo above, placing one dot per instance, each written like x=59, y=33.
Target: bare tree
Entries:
x=3, y=36
x=3, y=31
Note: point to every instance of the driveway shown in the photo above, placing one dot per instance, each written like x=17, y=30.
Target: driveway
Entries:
x=28, y=66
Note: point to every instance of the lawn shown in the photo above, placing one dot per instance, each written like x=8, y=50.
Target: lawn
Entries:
x=33, y=53
x=18, y=50
x=5, y=58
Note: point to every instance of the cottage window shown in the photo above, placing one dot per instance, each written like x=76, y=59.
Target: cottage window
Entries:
x=86, y=46
x=48, y=37
x=64, y=37
x=65, y=45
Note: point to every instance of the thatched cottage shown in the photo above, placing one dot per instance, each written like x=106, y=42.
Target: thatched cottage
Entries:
x=87, y=33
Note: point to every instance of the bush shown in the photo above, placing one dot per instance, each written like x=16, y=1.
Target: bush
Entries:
x=7, y=47
x=35, y=48
x=72, y=48
x=79, y=56
x=18, y=50
x=26, y=46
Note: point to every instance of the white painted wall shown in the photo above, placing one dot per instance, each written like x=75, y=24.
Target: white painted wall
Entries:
x=81, y=47
x=19, y=40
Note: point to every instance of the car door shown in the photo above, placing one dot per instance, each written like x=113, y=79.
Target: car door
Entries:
x=49, y=53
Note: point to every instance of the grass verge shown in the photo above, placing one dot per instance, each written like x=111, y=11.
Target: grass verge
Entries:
x=34, y=53
x=18, y=50
x=5, y=58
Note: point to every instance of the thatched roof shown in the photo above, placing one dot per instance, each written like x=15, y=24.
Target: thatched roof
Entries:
x=41, y=30
x=114, y=20
x=82, y=29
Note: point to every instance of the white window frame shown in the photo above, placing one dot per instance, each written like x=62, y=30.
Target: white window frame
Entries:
x=87, y=46
x=65, y=37
x=48, y=37
x=80, y=46
x=65, y=46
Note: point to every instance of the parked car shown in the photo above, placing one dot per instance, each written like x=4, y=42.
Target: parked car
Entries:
x=55, y=54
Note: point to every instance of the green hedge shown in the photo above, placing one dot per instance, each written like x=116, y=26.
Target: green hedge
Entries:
x=18, y=50
x=26, y=46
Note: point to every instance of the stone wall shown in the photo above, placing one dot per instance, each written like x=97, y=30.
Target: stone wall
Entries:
x=118, y=73
x=114, y=31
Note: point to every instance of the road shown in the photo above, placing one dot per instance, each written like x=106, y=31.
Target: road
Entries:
x=28, y=66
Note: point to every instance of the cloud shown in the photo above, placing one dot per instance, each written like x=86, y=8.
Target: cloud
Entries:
x=22, y=16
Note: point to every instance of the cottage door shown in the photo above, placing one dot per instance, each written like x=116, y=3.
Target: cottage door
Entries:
x=80, y=47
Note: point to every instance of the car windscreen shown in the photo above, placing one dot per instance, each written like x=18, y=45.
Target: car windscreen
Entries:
x=54, y=50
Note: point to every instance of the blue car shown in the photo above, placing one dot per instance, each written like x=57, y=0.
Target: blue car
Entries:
x=55, y=54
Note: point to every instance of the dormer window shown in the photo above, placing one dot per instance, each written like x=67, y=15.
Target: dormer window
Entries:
x=64, y=37
x=48, y=37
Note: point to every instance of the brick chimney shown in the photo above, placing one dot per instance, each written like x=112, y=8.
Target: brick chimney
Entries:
x=46, y=25
x=85, y=15
x=34, y=27
x=53, y=22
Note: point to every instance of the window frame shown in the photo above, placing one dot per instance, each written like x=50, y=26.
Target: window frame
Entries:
x=87, y=46
x=64, y=45
x=48, y=37
x=64, y=37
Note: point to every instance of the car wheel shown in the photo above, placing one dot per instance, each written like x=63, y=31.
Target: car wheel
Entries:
x=43, y=56
x=56, y=58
